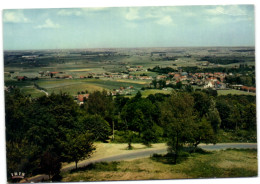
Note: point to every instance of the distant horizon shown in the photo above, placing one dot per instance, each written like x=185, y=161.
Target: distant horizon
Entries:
x=133, y=48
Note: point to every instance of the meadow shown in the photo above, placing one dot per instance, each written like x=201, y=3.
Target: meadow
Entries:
x=215, y=164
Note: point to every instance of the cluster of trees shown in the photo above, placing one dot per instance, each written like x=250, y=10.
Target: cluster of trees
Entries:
x=225, y=60
x=44, y=132
x=162, y=70
x=237, y=70
x=247, y=80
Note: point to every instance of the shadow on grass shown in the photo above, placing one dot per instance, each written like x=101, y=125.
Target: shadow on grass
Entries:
x=101, y=166
x=183, y=155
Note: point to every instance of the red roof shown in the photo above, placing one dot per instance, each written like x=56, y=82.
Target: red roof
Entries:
x=20, y=77
x=81, y=97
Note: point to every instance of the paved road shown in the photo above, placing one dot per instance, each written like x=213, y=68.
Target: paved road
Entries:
x=129, y=156
x=147, y=153
x=220, y=146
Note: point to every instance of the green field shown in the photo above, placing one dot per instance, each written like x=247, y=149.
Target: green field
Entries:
x=234, y=92
x=72, y=86
x=148, y=92
x=217, y=164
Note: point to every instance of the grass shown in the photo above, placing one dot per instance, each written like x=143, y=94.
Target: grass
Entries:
x=234, y=92
x=113, y=149
x=147, y=92
x=32, y=91
x=219, y=164
x=73, y=89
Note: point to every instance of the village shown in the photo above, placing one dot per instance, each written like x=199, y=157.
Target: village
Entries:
x=199, y=81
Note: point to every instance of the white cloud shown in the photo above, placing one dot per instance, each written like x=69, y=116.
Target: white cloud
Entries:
x=233, y=10
x=80, y=11
x=14, y=16
x=166, y=20
x=48, y=24
x=132, y=14
x=68, y=12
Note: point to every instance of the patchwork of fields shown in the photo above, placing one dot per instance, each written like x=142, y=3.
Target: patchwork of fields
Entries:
x=80, y=67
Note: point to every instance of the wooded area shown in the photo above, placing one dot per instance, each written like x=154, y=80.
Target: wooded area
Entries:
x=41, y=133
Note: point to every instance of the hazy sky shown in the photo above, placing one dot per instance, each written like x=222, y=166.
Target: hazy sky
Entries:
x=129, y=27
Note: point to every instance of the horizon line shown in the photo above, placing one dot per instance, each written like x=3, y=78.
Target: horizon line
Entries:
x=126, y=48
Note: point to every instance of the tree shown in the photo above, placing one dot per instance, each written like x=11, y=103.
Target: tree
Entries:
x=177, y=118
x=162, y=83
x=128, y=136
x=50, y=163
x=213, y=116
x=250, y=117
x=202, y=103
x=139, y=114
x=203, y=132
x=99, y=103
x=78, y=147
x=151, y=135
x=154, y=82
x=96, y=125
x=179, y=85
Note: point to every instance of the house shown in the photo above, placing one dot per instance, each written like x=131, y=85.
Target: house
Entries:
x=81, y=98
x=248, y=89
x=21, y=78
x=210, y=84
x=220, y=85
x=161, y=77
x=176, y=76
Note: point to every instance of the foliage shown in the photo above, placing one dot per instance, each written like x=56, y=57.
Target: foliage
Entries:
x=160, y=70
x=49, y=127
x=178, y=118
x=96, y=125
x=50, y=163
x=78, y=147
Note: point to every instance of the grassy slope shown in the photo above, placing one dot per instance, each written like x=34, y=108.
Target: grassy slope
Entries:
x=219, y=164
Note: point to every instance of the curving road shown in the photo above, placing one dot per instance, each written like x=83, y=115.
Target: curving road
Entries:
x=148, y=153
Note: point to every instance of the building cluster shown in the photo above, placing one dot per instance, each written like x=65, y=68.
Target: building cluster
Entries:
x=81, y=98
x=205, y=80
x=134, y=68
x=122, y=91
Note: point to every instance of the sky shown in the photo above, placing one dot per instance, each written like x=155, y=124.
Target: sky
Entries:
x=167, y=26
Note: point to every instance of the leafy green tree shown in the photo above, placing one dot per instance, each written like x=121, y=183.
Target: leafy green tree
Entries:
x=50, y=163
x=178, y=121
x=99, y=103
x=154, y=82
x=213, y=116
x=138, y=114
x=22, y=156
x=189, y=88
x=249, y=115
x=78, y=147
x=151, y=135
x=203, y=132
x=162, y=83
x=179, y=85
x=129, y=136
x=224, y=109
x=96, y=125
x=202, y=103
